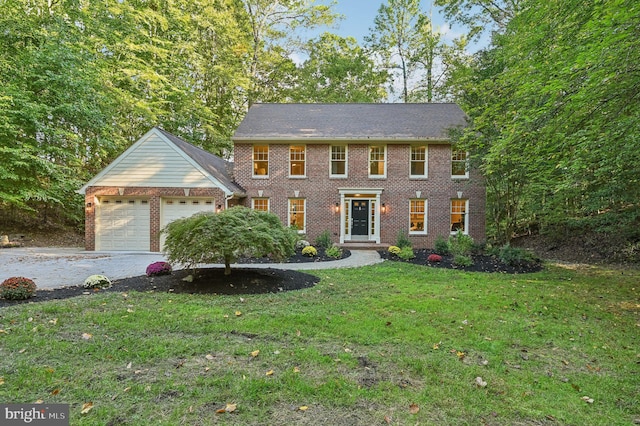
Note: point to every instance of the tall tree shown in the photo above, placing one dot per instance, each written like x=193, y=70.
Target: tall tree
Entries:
x=338, y=70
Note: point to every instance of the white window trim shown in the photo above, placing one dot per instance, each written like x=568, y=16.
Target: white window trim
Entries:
x=466, y=167
x=304, y=173
x=304, y=224
x=253, y=161
x=466, y=217
x=346, y=162
x=261, y=198
x=426, y=211
x=386, y=160
x=426, y=162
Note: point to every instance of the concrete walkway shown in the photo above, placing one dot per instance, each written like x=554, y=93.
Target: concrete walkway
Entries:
x=62, y=266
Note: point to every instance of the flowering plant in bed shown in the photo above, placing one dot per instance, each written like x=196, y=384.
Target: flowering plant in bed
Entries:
x=97, y=281
x=17, y=288
x=434, y=258
x=159, y=268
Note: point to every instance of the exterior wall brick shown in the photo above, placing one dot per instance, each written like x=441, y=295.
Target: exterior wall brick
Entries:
x=154, y=195
x=322, y=192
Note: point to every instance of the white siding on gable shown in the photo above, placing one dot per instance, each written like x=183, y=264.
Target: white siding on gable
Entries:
x=154, y=163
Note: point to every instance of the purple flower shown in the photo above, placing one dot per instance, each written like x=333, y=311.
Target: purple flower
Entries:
x=158, y=268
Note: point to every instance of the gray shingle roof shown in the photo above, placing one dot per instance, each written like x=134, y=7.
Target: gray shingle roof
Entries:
x=219, y=168
x=350, y=122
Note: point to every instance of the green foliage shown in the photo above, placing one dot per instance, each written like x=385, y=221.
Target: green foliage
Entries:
x=441, y=245
x=406, y=253
x=17, y=288
x=97, y=281
x=334, y=251
x=324, y=240
x=462, y=260
x=403, y=240
x=394, y=250
x=225, y=236
x=310, y=251
x=460, y=244
x=514, y=256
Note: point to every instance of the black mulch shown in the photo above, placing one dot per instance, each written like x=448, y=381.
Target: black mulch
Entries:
x=481, y=263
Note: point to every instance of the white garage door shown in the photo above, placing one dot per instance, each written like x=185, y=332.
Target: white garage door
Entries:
x=122, y=224
x=177, y=208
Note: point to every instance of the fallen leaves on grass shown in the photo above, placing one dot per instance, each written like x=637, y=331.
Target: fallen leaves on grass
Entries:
x=414, y=408
x=255, y=353
x=86, y=407
x=587, y=399
x=87, y=336
x=480, y=383
x=229, y=408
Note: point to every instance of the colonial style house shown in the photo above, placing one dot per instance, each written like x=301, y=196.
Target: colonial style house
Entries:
x=362, y=172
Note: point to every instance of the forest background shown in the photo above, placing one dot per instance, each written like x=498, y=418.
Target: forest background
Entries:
x=553, y=98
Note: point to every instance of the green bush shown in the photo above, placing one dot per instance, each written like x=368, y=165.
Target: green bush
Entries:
x=406, y=253
x=403, y=240
x=97, y=281
x=441, y=246
x=17, y=288
x=334, y=251
x=324, y=240
x=460, y=244
x=513, y=256
x=309, y=251
x=461, y=260
x=394, y=250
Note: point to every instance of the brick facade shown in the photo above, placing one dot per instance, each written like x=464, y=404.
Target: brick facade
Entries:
x=322, y=192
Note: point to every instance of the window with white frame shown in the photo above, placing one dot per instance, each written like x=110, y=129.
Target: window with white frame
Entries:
x=418, y=216
x=459, y=215
x=419, y=165
x=377, y=161
x=261, y=204
x=297, y=215
x=261, y=160
x=297, y=161
x=338, y=161
x=459, y=164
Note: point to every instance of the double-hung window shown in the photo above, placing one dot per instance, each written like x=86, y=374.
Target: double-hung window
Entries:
x=297, y=161
x=261, y=160
x=419, y=164
x=418, y=216
x=338, y=161
x=261, y=204
x=459, y=215
x=459, y=164
x=297, y=216
x=377, y=161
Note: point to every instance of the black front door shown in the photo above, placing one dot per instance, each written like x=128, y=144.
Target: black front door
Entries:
x=360, y=216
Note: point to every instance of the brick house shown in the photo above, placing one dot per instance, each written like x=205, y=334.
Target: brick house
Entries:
x=362, y=172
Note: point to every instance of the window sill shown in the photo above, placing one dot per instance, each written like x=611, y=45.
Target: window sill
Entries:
x=297, y=177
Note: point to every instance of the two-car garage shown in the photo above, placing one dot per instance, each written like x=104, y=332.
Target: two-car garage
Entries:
x=124, y=223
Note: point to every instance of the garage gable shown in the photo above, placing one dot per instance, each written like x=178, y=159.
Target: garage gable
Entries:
x=159, y=159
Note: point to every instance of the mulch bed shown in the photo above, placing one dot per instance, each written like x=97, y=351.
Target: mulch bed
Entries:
x=481, y=263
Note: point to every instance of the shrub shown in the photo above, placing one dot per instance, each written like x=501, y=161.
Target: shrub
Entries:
x=300, y=244
x=97, y=281
x=334, y=251
x=17, y=288
x=394, y=250
x=513, y=256
x=441, y=246
x=461, y=260
x=309, y=251
x=158, y=268
x=406, y=253
x=403, y=240
x=434, y=258
x=460, y=244
x=324, y=240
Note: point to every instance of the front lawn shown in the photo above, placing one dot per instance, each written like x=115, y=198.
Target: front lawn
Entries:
x=393, y=343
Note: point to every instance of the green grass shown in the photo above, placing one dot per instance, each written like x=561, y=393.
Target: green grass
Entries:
x=358, y=349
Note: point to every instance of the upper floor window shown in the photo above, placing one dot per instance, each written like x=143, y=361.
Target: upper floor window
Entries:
x=419, y=161
x=377, y=161
x=459, y=216
x=261, y=160
x=261, y=204
x=459, y=160
x=418, y=216
x=297, y=160
x=338, y=161
x=297, y=216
